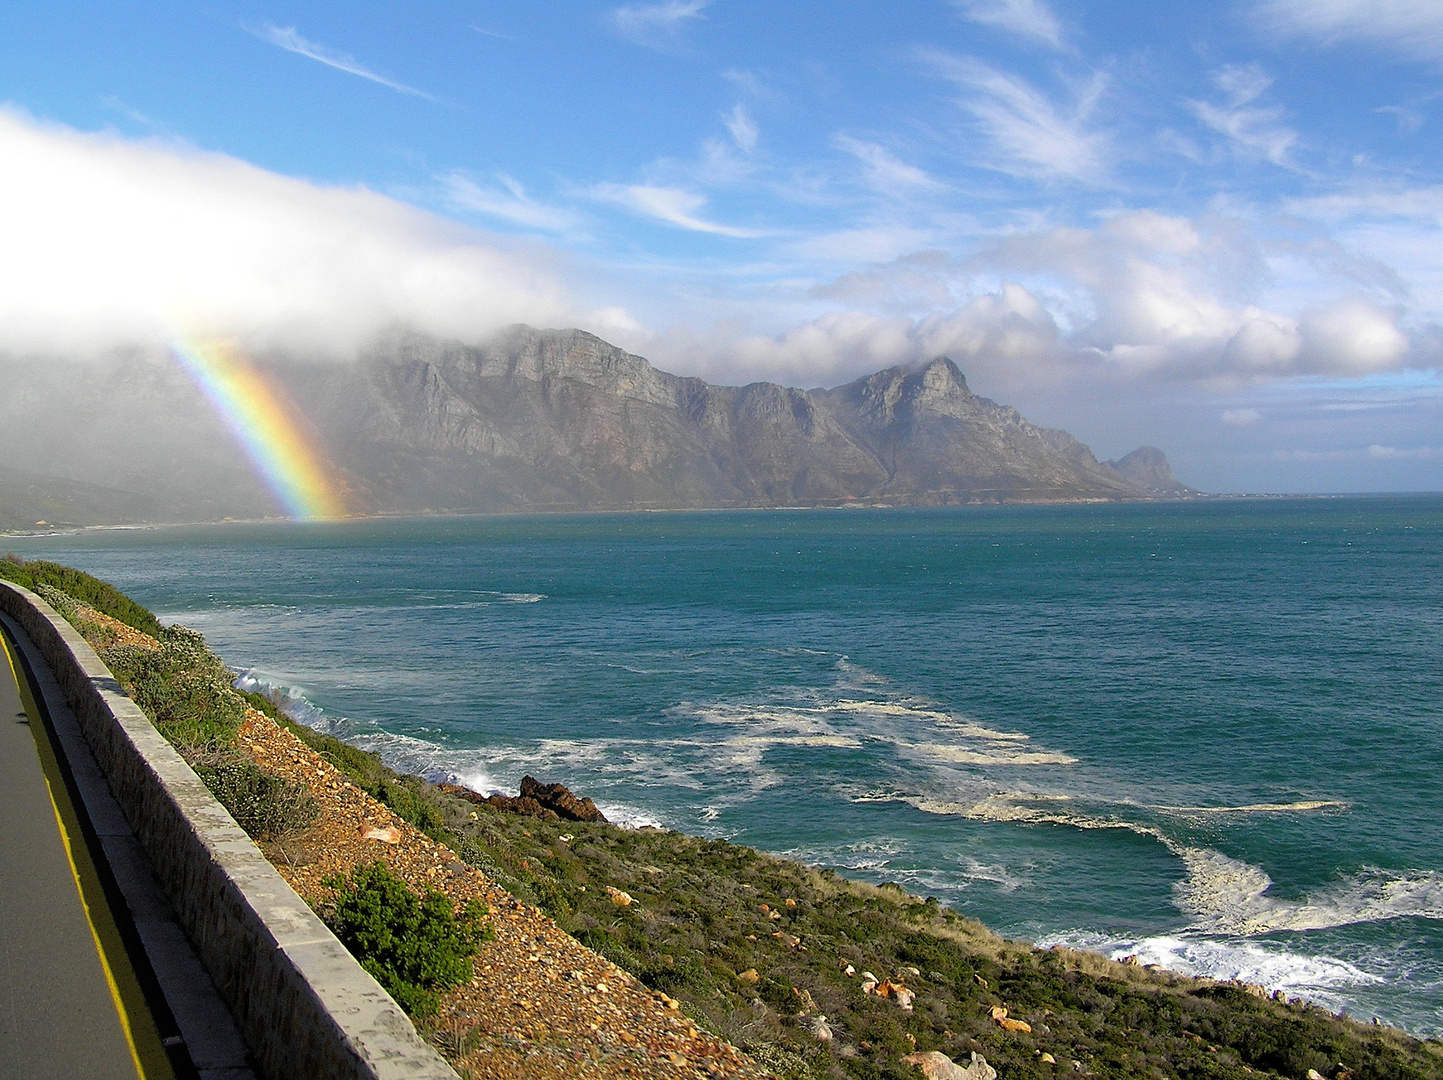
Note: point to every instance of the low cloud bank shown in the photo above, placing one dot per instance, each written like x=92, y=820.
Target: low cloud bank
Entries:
x=1143, y=297
x=113, y=243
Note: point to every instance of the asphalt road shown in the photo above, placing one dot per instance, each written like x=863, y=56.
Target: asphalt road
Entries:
x=67, y=1009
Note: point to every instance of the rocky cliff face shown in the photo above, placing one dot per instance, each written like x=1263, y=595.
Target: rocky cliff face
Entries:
x=552, y=420
x=1147, y=468
x=535, y=420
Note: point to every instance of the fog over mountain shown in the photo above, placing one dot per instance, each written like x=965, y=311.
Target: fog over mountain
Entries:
x=540, y=420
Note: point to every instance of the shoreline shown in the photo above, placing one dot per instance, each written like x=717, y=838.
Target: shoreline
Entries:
x=466, y=515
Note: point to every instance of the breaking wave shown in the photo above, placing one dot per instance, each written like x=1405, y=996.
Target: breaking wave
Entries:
x=1266, y=964
x=1220, y=894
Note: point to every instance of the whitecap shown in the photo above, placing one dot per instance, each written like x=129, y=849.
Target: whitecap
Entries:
x=963, y=755
x=1302, y=805
x=630, y=817
x=1267, y=964
x=1227, y=895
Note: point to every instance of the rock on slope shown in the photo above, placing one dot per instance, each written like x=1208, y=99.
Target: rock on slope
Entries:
x=552, y=420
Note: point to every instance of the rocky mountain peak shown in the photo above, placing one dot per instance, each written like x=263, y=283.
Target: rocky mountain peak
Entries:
x=942, y=385
x=1148, y=468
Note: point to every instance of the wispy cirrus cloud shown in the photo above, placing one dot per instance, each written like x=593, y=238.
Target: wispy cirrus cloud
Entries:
x=1030, y=134
x=1413, y=28
x=743, y=129
x=885, y=171
x=657, y=26
x=1031, y=19
x=508, y=201
x=1254, y=129
x=674, y=206
x=286, y=37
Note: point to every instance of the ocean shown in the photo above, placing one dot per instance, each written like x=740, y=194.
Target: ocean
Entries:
x=1209, y=734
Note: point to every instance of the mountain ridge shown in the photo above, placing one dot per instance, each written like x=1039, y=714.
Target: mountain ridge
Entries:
x=560, y=419
x=540, y=420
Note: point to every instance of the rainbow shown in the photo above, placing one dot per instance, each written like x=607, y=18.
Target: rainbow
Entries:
x=267, y=426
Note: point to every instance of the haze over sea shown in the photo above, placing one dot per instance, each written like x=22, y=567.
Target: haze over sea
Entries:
x=1210, y=734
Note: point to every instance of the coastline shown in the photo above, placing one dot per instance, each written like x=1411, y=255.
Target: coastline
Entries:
x=463, y=515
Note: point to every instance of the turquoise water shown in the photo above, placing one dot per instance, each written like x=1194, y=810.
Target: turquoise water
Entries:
x=1210, y=734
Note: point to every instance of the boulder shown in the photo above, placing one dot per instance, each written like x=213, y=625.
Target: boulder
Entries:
x=550, y=802
x=936, y=1065
x=817, y=1027
x=524, y=806
x=559, y=799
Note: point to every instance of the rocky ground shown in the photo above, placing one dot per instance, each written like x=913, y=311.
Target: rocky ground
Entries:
x=541, y=1005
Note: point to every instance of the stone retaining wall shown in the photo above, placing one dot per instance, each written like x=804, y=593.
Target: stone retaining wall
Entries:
x=304, y=1004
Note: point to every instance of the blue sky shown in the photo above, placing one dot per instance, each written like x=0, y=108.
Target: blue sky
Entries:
x=1216, y=227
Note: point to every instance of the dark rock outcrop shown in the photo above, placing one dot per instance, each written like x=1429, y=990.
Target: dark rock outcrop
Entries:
x=559, y=800
x=552, y=802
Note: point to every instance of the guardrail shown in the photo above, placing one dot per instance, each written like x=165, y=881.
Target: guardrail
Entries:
x=307, y=1008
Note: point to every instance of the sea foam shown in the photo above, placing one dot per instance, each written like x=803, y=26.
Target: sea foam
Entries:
x=1266, y=964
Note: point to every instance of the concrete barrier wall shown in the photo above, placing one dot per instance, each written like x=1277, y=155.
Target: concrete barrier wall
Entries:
x=304, y=1004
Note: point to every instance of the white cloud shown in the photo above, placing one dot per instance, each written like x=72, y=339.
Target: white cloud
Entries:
x=1395, y=453
x=1155, y=297
x=1030, y=135
x=1423, y=203
x=1241, y=417
x=886, y=172
x=1353, y=337
x=509, y=203
x=743, y=130
x=674, y=206
x=1026, y=18
x=1409, y=119
x=657, y=26
x=111, y=242
x=1253, y=128
x=994, y=330
x=287, y=38
x=1413, y=28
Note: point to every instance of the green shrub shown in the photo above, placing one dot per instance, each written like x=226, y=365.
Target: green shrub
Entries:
x=413, y=945
x=184, y=689
x=265, y=806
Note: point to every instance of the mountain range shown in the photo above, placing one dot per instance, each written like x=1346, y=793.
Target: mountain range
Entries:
x=544, y=420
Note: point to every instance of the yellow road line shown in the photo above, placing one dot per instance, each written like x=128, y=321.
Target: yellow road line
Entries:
x=153, y=1064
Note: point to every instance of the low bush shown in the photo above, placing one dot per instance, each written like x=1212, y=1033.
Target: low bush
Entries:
x=183, y=688
x=265, y=806
x=413, y=945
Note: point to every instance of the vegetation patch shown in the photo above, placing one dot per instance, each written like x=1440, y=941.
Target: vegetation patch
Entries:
x=413, y=945
x=758, y=949
x=265, y=806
